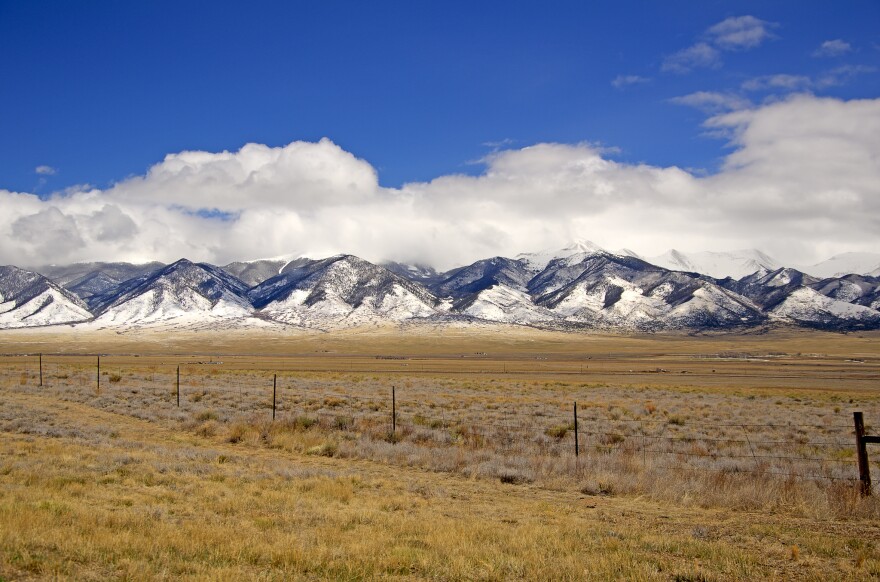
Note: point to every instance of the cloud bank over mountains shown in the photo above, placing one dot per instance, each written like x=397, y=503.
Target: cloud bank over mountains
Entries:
x=802, y=181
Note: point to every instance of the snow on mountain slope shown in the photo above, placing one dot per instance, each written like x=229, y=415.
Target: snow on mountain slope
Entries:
x=342, y=291
x=476, y=277
x=255, y=272
x=857, y=289
x=183, y=292
x=734, y=264
x=504, y=304
x=625, y=292
x=846, y=264
x=563, y=271
x=423, y=274
x=70, y=275
x=92, y=284
x=538, y=261
x=807, y=306
x=30, y=299
x=769, y=288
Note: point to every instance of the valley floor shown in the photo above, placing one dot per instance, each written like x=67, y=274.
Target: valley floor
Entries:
x=108, y=496
x=119, y=483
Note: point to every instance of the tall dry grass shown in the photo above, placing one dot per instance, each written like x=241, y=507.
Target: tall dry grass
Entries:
x=752, y=449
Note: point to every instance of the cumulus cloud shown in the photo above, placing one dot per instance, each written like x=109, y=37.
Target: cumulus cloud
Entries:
x=621, y=81
x=832, y=48
x=712, y=102
x=698, y=56
x=843, y=75
x=801, y=182
x=739, y=32
x=736, y=33
x=45, y=171
x=776, y=82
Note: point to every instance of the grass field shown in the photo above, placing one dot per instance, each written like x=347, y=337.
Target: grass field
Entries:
x=699, y=458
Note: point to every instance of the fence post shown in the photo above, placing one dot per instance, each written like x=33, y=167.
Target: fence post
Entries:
x=98, y=376
x=576, y=443
x=862, y=454
x=274, y=386
x=178, y=386
x=41, y=370
x=393, y=411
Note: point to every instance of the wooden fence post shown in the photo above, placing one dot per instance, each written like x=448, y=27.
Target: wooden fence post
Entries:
x=41, y=370
x=274, y=386
x=576, y=443
x=862, y=454
x=98, y=376
x=178, y=386
x=393, y=411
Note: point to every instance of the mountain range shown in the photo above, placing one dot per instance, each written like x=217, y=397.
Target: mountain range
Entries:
x=579, y=287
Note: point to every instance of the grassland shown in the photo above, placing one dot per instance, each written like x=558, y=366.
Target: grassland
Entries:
x=700, y=458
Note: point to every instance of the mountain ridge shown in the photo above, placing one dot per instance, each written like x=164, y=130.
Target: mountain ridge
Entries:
x=578, y=287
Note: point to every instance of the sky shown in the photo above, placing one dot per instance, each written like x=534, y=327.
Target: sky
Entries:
x=436, y=132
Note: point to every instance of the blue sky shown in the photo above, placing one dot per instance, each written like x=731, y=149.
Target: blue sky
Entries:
x=102, y=90
x=412, y=95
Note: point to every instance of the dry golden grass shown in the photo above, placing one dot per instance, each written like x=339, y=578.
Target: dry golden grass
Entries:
x=674, y=479
x=112, y=497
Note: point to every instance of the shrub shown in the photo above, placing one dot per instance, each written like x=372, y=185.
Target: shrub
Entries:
x=237, y=433
x=343, y=422
x=304, y=422
x=323, y=450
x=207, y=415
x=558, y=432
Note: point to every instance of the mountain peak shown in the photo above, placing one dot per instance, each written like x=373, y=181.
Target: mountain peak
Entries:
x=583, y=246
x=736, y=264
x=539, y=260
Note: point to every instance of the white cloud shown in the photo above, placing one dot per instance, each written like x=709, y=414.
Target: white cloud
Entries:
x=698, y=56
x=732, y=34
x=843, y=75
x=739, y=33
x=781, y=81
x=801, y=182
x=621, y=81
x=832, y=48
x=712, y=102
x=45, y=170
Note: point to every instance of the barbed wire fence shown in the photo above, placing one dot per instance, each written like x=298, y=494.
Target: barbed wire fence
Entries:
x=822, y=452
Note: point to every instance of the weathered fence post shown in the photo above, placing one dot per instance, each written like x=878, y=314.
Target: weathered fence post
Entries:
x=862, y=454
x=576, y=443
x=274, y=386
x=98, y=376
x=41, y=370
x=178, y=386
x=393, y=411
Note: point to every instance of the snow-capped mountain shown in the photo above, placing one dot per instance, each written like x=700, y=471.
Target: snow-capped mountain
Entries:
x=808, y=307
x=734, y=264
x=790, y=295
x=769, y=288
x=30, y=299
x=181, y=292
x=539, y=260
x=424, y=274
x=856, y=289
x=341, y=291
x=846, y=264
x=255, y=272
x=476, y=277
x=578, y=287
x=605, y=290
x=69, y=276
